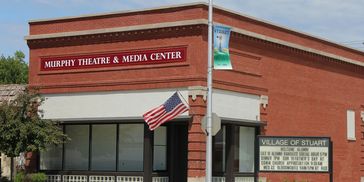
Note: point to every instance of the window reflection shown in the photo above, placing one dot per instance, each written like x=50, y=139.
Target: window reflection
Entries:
x=160, y=149
x=103, y=147
x=131, y=146
x=245, y=156
x=76, y=150
x=51, y=159
x=219, y=151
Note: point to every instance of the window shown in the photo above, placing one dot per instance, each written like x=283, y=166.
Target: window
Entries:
x=77, y=150
x=350, y=122
x=245, y=157
x=234, y=146
x=219, y=151
x=106, y=147
x=131, y=147
x=51, y=159
x=160, y=149
x=103, y=147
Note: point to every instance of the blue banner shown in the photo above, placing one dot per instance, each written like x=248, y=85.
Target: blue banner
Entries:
x=221, y=48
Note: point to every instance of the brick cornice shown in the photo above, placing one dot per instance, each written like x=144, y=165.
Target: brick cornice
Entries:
x=116, y=35
x=166, y=29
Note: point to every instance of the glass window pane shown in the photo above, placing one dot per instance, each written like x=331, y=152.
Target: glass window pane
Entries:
x=131, y=147
x=51, y=159
x=76, y=151
x=103, y=155
x=160, y=136
x=160, y=149
x=218, y=163
x=246, y=149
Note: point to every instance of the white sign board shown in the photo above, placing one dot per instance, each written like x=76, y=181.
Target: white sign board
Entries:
x=294, y=154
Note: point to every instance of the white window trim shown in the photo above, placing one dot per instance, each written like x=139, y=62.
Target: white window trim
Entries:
x=350, y=124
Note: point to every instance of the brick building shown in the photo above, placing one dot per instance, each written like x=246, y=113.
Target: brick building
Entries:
x=99, y=74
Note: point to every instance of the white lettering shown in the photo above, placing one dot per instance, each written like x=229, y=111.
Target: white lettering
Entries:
x=178, y=55
x=93, y=61
x=135, y=58
x=47, y=64
x=59, y=63
x=165, y=56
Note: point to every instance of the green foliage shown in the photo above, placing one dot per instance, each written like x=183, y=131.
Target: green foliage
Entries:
x=35, y=177
x=13, y=69
x=22, y=129
x=38, y=177
x=19, y=177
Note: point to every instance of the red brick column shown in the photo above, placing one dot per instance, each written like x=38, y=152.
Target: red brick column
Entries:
x=196, y=140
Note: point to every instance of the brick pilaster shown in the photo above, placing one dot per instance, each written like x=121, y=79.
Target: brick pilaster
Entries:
x=196, y=139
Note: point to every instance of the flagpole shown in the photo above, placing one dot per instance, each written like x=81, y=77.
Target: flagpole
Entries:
x=209, y=99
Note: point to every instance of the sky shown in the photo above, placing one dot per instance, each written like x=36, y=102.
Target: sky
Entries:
x=340, y=21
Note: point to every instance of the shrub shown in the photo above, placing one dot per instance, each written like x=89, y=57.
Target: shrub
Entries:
x=19, y=177
x=38, y=177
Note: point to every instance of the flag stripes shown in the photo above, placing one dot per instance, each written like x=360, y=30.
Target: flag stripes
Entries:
x=165, y=112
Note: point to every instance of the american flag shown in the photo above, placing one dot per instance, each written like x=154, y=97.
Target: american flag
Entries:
x=165, y=112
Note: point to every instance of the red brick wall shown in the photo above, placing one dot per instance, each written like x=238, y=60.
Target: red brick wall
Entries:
x=309, y=96
x=122, y=78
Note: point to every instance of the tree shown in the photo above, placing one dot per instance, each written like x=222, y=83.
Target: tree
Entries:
x=22, y=129
x=13, y=69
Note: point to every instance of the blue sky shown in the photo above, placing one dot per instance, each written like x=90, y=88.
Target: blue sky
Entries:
x=339, y=21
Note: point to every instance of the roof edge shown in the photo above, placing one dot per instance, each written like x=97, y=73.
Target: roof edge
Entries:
x=197, y=22
x=118, y=12
x=297, y=32
x=282, y=27
x=117, y=29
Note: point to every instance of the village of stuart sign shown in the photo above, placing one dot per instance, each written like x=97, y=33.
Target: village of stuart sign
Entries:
x=294, y=154
x=116, y=59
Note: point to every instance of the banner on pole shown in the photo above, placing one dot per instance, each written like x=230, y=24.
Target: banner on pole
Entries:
x=221, y=48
